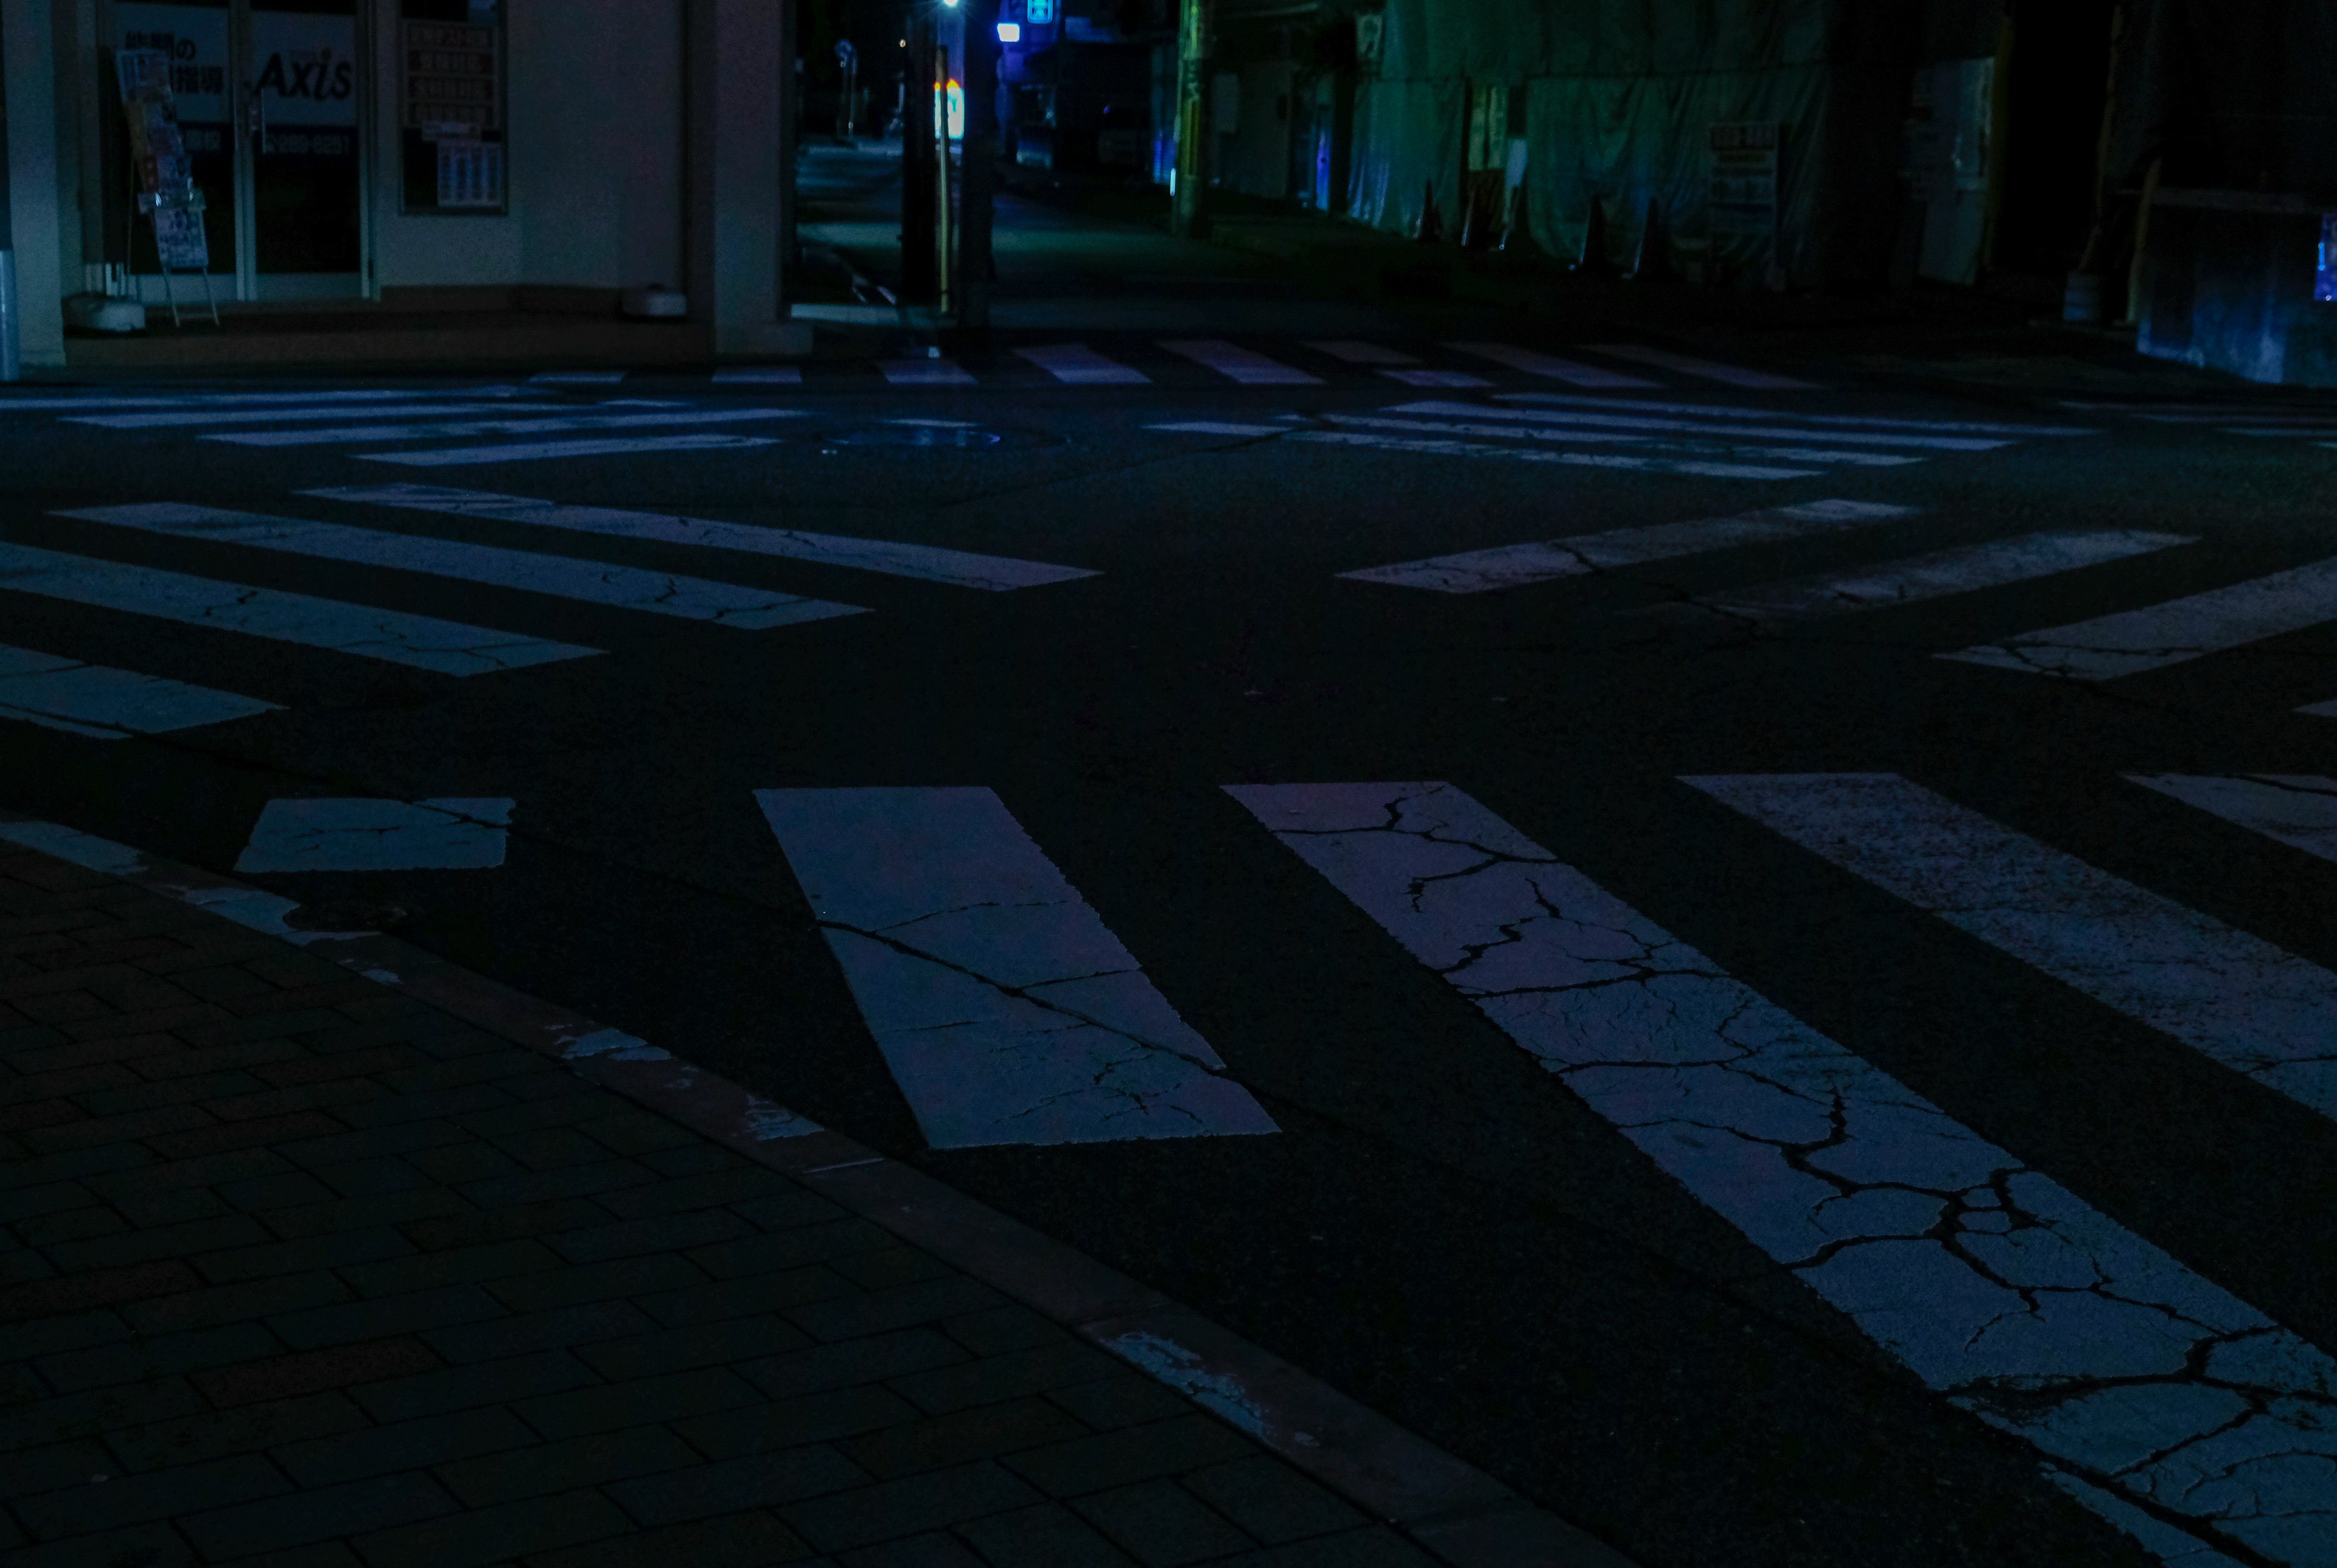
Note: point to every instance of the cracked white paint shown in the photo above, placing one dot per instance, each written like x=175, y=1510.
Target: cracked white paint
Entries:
x=1439, y=446
x=545, y=422
x=1557, y=422
x=1007, y=1010
x=541, y=451
x=356, y=835
x=2234, y=998
x=2320, y=709
x=75, y=847
x=184, y=417
x=2180, y=629
x=768, y=1121
x=1727, y=411
x=1511, y=565
x=1941, y=573
x=959, y=567
x=107, y=703
x=1639, y=441
x=421, y=641
x=613, y=1046
x=1991, y=1283
x=1184, y=1370
x=2300, y=810
x=561, y=576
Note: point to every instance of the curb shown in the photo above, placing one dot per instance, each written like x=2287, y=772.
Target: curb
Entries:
x=1454, y=1510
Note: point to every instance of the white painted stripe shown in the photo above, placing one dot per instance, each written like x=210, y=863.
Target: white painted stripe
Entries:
x=1709, y=470
x=577, y=377
x=2300, y=810
x=924, y=373
x=1709, y=370
x=2266, y=1013
x=344, y=834
x=199, y=400
x=1357, y=353
x=1238, y=364
x=1436, y=378
x=1007, y=1010
x=765, y=375
x=1572, y=371
x=1799, y=431
x=564, y=577
x=2320, y=709
x=535, y=450
x=1943, y=572
x=1722, y=445
x=2173, y=632
x=961, y=569
x=1219, y=427
x=2283, y=432
x=1080, y=366
x=429, y=429
x=91, y=699
x=1508, y=565
x=1991, y=1281
x=422, y=641
x=1731, y=411
x=182, y=417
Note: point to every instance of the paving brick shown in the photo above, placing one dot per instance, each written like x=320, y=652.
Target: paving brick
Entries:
x=1093, y=1463
x=170, y=1207
x=1006, y=1376
x=42, y=1049
x=909, y=1507
x=56, y=1465
x=566, y=1099
x=78, y=1080
x=48, y=1198
x=143, y=1359
x=19, y=1265
x=1376, y=1546
x=70, y=1226
x=708, y=1190
x=791, y=1423
x=310, y=1372
x=1161, y=1525
x=192, y=1239
x=500, y=1063
x=1047, y=1537
x=1268, y=1499
x=380, y=1316
x=467, y=1388
x=35, y=1114
x=755, y=1540
x=537, y=1468
x=432, y=1441
x=567, y=1182
x=791, y=1249
x=334, y=1095
x=633, y=1131
x=228, y=1026
x=881, y=1356
x=401, y=1208
x=156, y=1495
x=729, y=1486
x=494, y=1261
x=319, y=1514
x=916, y=1552
x=368, y=1177
x=364, y=1142
x=661, y=1234
x=458, y=1164
x=517, y=1334
x=179, y=1089
x=29, y=1421
x=700, y=1345
x=548, y=1148
x=235, y=1303
x=624, y=1277
x=901, y=1307
x=219, y=983
x=189, y=1061
x=485, y=1535
x=405, y=1106
x=939, y=1442
x=155, y=1175
x=890, y=1266
x=610, y=1406
x=204, y=1433
x=308, y=1068
x=691, y=1159
x=91, y=1166
x=738, y=1298
x=260, y=1130
x=335, y=1249
x=136, y=1126
x=63, y=1006
x=999, y=1330
x=1122, y=1399
x=97, y=1287
x=54, y=1336
x=285, y=1189
x=147, y=1546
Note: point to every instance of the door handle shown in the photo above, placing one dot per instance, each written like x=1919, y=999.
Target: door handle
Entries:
x=255, y=115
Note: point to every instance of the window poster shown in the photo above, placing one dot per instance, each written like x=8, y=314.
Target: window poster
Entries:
x=451, y=104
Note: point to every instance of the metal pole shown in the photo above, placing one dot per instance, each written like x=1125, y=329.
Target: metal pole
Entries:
x=920, y=278
x=1187, y=214
x=11, y=360
x=978, y=165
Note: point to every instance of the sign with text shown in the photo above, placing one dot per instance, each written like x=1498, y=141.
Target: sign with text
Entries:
x=453, y=78
x=1742, y=198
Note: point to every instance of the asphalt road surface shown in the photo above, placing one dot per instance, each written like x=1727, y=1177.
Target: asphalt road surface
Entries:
x=1745, y=944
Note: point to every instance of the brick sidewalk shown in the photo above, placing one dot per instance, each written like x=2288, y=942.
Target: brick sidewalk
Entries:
x=301, y=1271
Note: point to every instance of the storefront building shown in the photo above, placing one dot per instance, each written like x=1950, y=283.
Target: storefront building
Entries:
x=458, y=153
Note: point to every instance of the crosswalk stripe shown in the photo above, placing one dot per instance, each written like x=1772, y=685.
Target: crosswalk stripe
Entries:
x=1941, y=573
x=961, y=569
x=186, y=417
x=535, y=450
x=1723, y=442
x=548, y=424
x=2320, y=709
x=1444, y=448
x=565, y=577
x=423, y=642
x=1572, y=371
x=1800, y=430
x=577, y=377
x=1007, y=1010
x=1246, y=366
x=1359, y=353
x=1435, y=378
x=924, y=373
x=1220, y=427
x=1998, y=1287
x=1709, y=370
x=2235, y=999
x=1511, y=565
x=218, y=399
x=353, y=833
x=2298, y=810
x=107, y=703
x=2171, y=633
x=766, y=376
x=1846, y=421
x=1080, y=366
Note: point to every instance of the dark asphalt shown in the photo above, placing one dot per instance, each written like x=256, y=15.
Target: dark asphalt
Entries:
x=1441, y=1228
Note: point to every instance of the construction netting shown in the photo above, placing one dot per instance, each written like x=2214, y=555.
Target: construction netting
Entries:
x=1767, y=136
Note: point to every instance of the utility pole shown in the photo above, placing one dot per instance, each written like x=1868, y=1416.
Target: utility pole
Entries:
x=10, y=359
x=1187, y=214
x=922, y=168
x=978, y=176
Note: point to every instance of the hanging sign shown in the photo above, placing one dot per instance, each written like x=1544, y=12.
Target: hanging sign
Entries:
x=167, y=193
x=1742, y=196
